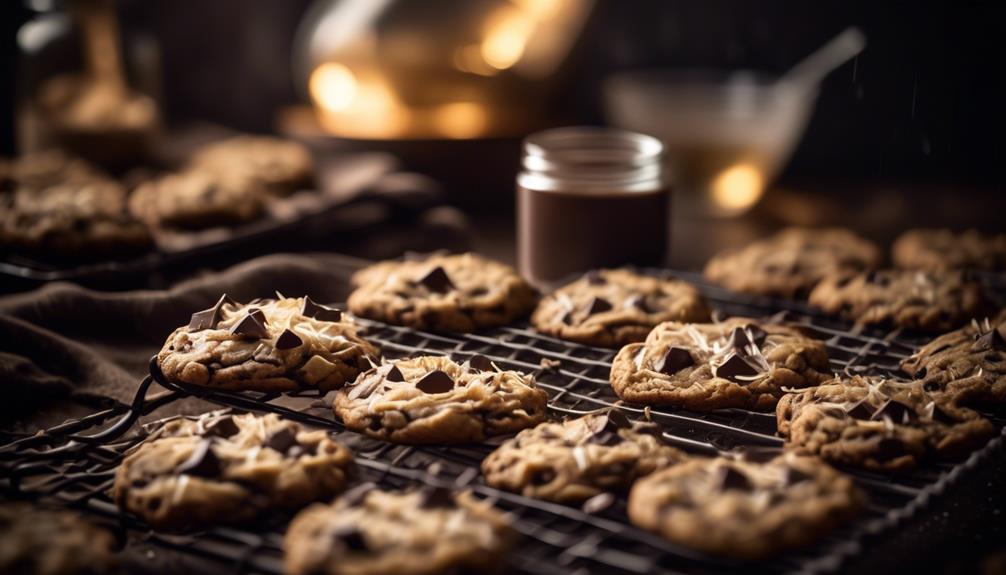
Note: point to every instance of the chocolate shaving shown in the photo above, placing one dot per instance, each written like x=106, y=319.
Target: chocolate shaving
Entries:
x=288, y=340
x=598, y=503
x=202, y=463
x=252, y=325
x=597, y=305
x=676, y=359
x=223, y=427
x=209, y=318
x=437, y=280
x=435, y=382
x=282, y=440
x=320, y=312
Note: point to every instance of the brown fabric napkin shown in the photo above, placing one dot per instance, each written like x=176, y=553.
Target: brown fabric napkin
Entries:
x=63, y=340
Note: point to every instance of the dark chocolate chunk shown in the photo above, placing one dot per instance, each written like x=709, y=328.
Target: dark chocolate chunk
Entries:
x=760, y=454
x=756, y=334
x=480, y=363
x=595, y=278
x=736, y=368
x=202, y=463
x=436, y=496
x=394, y=374
x=731, y=478
x=435, y=382
x=676, y=359
x=861, y=410
x=942, y=416
x=288, y=340
x=988, y=341
x=542, y=477
x=597, y=305
x=223, y=427
x=282, y=440
x=738, y=339
x=618, y=420
x=350, y=537
x=878, y=278
x=897, y=411
x=639, y=302
x=607, y=438
x=209, y=318
x=890, y=448
x=320, y=312
x=356, y=495
x=794, y=476
x=437, y=280
x=611, y=420
x=252, y=325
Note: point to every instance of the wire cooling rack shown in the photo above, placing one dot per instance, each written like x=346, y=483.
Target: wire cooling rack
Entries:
x=74, y=464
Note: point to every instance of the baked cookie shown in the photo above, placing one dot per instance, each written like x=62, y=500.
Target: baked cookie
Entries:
x=83, y=218
x=194, y=200
x=791, y=262
x=48, y=542
x=612, y=308
x=268, y=345
x=940, y=250
x=435, y=400
x=224, y=468
x=878, y=424
x=45, y=169
x=744, y=509
x=280, y=166
x=968, y=365
x=441, y=292
x=736, y=363
x=423, y=532
x=936, y=301
x=574, y=460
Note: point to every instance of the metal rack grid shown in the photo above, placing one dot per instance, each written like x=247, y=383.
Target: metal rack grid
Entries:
x=74, y=464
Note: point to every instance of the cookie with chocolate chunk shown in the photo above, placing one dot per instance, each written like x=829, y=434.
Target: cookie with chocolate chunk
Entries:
x=269, y=345
x=280, y=167
x=878, y=424
x=611, y=308
x=49, y=542
x=459, y=293
x=744, y=509
x=967, y=365
x=432, y=399
x=943, y=249
x=224, y=468
x=736, y=363
x=936, y=301
x=574, y=460
x=420, y=532
x=792, y=262
x=193, y=200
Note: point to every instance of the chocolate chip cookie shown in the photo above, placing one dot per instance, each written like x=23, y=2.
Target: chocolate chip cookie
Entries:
x=792, y=262
x=45, y=169
x=49, y=542
x=936, y=301
x=967, y=365
x=459, y=293
x=270, y=345
x=194, y=200
x=422, y=532
x=224, y=468
x=82, y=218
x=736, y=363
x=574, y=460
x=878, y=424
x=436, y=400
x=942, y=249
x=279, y=166
x=612, y=308
x=744, y=509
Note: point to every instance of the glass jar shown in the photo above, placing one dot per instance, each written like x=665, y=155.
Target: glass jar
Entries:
x=588, y=198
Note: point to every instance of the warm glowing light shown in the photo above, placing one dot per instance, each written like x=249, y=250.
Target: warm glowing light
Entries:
x=506, y=38
x=461, y=120
x=738, y=187
x=333, y=86
x=540, y=9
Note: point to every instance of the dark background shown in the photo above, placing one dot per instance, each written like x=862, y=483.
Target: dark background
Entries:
x=923, y=103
